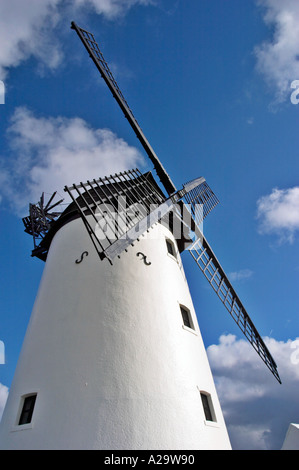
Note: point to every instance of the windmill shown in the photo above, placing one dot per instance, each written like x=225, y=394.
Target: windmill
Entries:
x=113, y=356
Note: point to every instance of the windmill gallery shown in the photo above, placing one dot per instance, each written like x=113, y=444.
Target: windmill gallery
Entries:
x=113, y=346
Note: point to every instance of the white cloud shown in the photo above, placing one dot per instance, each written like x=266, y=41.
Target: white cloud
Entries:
x=111, y=8
x=241, y=275
x=278, y=59
x=257, y=409
x=3, y=398
x=24, y=31
x=49, y=153
x=278, y=213
x=29, y=28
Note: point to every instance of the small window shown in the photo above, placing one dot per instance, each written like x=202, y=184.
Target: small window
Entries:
x=186, y=317
x=27, y=409
x=206, y=403
x=170, y=247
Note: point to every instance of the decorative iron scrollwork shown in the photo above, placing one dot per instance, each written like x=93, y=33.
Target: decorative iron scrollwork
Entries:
x=78, y=261
x=148, y=263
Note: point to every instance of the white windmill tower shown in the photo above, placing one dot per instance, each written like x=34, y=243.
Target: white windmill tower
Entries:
x=113, y=356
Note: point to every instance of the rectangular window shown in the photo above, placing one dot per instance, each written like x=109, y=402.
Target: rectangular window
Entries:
x=170, y=247
x=27, y=409
x=206, y=406
x=186, y=317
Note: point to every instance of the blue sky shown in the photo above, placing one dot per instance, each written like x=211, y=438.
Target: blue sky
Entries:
x=210, y=82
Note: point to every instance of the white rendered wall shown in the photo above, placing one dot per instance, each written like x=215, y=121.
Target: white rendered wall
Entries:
x=108, y=356
x=291, y=441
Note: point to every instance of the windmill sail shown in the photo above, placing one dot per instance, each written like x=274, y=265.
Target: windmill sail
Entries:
x=201, y=250
x=93, y=49
x=212, y=270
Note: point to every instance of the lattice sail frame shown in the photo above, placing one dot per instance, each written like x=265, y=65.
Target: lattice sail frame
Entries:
x=205, y=259
x=96, y=55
